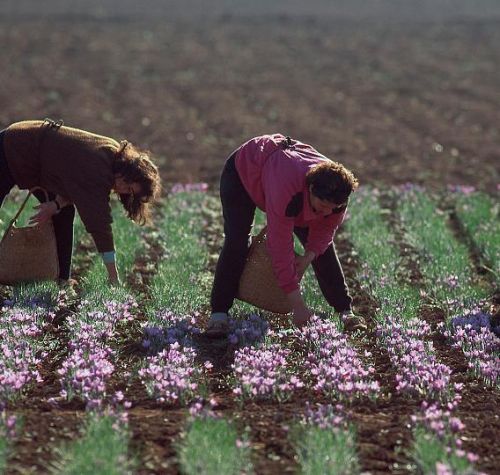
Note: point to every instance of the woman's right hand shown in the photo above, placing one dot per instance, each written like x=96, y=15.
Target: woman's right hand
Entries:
x=113, y=277
x=301, y=316
x=301, y=312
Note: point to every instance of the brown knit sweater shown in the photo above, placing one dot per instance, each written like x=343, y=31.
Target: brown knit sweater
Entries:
x=69, y=162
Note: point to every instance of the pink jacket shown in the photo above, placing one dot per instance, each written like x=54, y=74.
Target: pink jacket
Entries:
x=273, y=176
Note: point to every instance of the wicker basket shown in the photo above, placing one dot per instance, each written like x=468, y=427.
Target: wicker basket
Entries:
x=258, y=285
x=28, y=253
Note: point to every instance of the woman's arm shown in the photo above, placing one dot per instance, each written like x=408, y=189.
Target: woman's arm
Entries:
x=302, y=263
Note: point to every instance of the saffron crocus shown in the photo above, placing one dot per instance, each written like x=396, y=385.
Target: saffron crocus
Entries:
x=334, y=366
x=264, y=373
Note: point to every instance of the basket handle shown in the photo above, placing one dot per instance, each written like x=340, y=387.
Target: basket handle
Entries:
x=14, y=220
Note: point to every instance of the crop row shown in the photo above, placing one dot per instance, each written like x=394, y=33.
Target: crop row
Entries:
x=318, y=360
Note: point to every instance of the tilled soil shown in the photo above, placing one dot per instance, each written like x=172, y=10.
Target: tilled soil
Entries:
x=383, y=431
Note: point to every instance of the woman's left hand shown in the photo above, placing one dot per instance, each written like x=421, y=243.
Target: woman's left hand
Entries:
x=45, y=211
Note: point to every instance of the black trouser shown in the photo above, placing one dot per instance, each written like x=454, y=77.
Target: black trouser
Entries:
x=238, y=211
x=63, y=221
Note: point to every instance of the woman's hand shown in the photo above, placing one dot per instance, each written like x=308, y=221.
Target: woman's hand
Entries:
x=301, y=312
x=113, y=277
x=302, y=263
x=45, y=211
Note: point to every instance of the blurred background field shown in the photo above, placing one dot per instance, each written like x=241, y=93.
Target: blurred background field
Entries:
x=397, y=90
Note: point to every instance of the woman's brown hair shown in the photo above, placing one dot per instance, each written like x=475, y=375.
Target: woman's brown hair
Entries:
x=135, y=166
x=331, y=181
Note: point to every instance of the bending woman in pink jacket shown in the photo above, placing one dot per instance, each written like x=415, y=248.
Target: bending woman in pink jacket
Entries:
x=301, y=192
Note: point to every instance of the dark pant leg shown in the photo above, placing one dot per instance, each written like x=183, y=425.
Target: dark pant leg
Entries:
x=63, y=229
x=329, y=274
x=6, y=180
x=238, y=211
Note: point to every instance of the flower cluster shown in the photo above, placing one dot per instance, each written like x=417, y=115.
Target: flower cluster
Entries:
x=172, y=376
x=200, y=409
x=325, y=416
x=462, y=189
x=334, y=364
x=22, y=348
x=418, y=371
x=89, y=364
x=409, y=187
x=264, y=373
x=445, y=427
x=471, y=333
x=8, y=426
x=169, y=328
x=474, y=319
x=248, y=331
x=452, y=281
x=84, y=374
x=188, y=187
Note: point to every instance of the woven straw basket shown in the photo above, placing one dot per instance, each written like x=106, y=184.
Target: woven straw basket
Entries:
x=258, y=285
x=28, y=253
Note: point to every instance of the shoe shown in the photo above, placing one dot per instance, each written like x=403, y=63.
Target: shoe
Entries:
x=65, y=283
x=218, y=326
x=353, y=322
x=68, y=287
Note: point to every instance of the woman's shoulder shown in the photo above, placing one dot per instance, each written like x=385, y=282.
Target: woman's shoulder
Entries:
x=87, y=136
x=24, y=125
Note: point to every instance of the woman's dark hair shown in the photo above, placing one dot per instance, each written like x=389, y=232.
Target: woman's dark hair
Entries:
x=135, y=166
x=331, y=181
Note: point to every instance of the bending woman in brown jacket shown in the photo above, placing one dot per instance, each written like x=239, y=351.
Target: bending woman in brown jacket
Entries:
x=79, y=170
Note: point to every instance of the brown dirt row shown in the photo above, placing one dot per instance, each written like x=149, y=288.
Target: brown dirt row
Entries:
x=34, y=450
x=382, y=429
x=384, y=438
x=267, y=421
x=383, y=434
x=44, y=426
x=478, y=408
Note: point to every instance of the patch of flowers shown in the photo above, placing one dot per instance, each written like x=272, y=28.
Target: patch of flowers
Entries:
x=172, y=376
x=418, y=371
x=325, y=441
x=334, y=365
x=472, y=333
x=462, y=189
x=446, y=269
x=189, y=187
x=247, y=331
x=325, y=416
x=89, y=364
x=204, y=409
x=22, y=348
x=8, y=426
x=84, y=374
x=264, y=373
x=436, y=425
x=169, y=328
